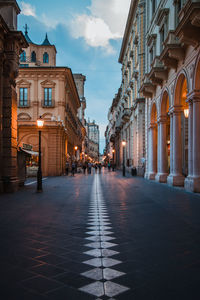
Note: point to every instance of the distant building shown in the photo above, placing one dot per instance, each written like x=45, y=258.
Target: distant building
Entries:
x=93, y=139
x=50, y=92
x=80, y=83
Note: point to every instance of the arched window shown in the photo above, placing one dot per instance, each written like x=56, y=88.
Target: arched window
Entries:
x=23, y=56
x=33, y=56
x=45, y=58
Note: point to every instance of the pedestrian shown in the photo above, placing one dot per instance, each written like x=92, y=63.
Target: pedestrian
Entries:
x=73, y=168
x=113, y=167
x=89, y=168
x=99, y=166
x=109, y=166
x=67, y=168
x=84, y=168
x=95, y=168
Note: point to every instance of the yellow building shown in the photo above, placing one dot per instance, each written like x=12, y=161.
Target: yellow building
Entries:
x=48, y=91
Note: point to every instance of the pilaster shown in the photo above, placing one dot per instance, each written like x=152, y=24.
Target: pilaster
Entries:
x=162, y=174
x=192, y=182
x=176, y=178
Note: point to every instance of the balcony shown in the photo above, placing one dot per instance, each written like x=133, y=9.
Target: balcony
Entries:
x=189, y=22
x=158, y=72
x=48, y=103
x=147, y=88
x=172, y=51
x=24, y=104
x=126, y=115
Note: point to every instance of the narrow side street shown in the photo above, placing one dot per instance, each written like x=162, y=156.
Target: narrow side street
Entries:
x=100, y=236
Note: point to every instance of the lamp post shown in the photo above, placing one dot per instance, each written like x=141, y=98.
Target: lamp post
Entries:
x=40, y=124
x=123, y=168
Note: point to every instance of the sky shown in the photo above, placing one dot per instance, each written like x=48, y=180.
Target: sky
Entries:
x=88, y=36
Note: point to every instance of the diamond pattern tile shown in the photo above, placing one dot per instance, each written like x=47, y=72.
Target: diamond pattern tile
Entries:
x=114, y=289
x=110, y=274
x=96, y=262
x=96, y=289
x=96, y=274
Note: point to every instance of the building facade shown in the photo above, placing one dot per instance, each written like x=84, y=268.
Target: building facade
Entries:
x=50, y=92
x=127, y=113
x=92, y=130
x=168, y=75
x=11, y=43
x=171, y=83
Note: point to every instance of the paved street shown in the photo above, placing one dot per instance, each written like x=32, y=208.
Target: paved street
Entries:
x=100, y=237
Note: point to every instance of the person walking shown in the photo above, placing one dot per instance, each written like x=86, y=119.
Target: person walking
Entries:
x=89, y=168
x=109, y=166
x=67, y=168
x=73, y=168
x=84, y=168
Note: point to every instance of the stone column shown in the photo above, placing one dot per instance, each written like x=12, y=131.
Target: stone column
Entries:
x=188, y=180
x=176, y=178
x=152, y=152
x=193, y=182
x=162, y=174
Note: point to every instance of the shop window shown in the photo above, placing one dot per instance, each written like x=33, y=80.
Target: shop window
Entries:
x=46, y=58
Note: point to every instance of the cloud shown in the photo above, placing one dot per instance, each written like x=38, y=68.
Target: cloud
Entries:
x=94, y=30
x=105, y=22
x=27, y=9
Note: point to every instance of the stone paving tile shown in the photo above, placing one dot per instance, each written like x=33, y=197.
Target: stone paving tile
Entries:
x=157, y=237
x=40, y=284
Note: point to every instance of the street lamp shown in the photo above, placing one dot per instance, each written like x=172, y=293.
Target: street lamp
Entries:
x=186, y=112
x=40, y=124
x=123, y=169
x=76, y=148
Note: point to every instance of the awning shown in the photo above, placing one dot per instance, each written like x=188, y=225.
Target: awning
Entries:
x=34, y=153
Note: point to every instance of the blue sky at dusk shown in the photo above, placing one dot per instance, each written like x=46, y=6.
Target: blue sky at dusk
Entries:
x=88, y=36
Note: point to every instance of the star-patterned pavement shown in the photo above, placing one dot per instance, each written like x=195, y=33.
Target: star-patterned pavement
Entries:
x=99, y=232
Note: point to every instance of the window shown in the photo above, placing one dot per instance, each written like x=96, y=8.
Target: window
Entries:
x=46, y=58
x=162, y=37
x=151, y=55
x=23, y=97
x=153, y=5
x=47, y=96
x=23, y=56
x=33, y=56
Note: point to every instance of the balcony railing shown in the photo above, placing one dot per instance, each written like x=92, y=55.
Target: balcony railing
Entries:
x=24, y=103
x=48, y=103
x=172, y=51
x=188, y=27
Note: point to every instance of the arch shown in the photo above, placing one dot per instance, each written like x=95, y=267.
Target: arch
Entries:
x=154, y=113
x=33, y=56
x=196, y=79
x=181, y=88
x=46, y=58
x=23, y=116
x=165, y=101
x=23, y=57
